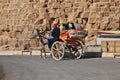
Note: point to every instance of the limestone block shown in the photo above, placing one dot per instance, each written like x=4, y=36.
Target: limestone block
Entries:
x=25, y=35
x=85, y=15
x=93, y=14
x=15, y=28
x=91, y=41
x=104, y=43
x=116, y=19
x=18, y=35
x=1, y=41
x=117, y=49
x=12, y=34
x=52, y=11
x=67, y=5
x=104, y=49
x=29, y=34
x=33, y=43
x=13, y=11
x=92, y=20
x=5, y=16
x=6, y=28
x=68, y=10
x=5, y=40
x=3, y=1
x=83, y=4
x=117, y=43
x=1, y=32
x=76, y=4
x=55, y=6
x=111, y=43
x=96, y=0
x=10, y=28
x=69, y=1
x=84, y=0
x=103, y=26
x=72, y=16
x=6, y=34
x=20, y=28
x=79, y=20
x=104, y=14
x=63, y=20
x=96, y=26
x=33, y=16
x=1, y=27
x=43, y=1
x=34, y=0
x=12, y=42
x=104, y=0
x=105, y=20
x=111, y=49
x=42, y=15
x=31, y=27
x=114, y=26
x=14, y=1
x=56, y=15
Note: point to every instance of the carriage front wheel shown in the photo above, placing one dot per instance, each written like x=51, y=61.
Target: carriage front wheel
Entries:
x=57, y=50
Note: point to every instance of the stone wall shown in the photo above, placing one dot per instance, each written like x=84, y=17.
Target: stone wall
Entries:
x=19, y=17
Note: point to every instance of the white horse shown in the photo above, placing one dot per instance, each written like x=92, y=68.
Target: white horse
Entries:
x=43, y=39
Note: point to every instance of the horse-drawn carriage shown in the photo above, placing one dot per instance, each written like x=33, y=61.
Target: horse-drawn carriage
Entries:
x=70, y=41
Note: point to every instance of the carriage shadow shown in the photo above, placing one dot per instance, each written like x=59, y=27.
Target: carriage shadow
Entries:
x=92, y=55
x=85, y=55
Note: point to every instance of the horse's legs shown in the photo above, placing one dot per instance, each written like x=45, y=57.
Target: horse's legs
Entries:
x=41, y=52
x=44, y=52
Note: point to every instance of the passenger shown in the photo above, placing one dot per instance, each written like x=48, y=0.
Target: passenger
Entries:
x=71, y=30
x=69, y=25
x=55, y=35
x=79, y=27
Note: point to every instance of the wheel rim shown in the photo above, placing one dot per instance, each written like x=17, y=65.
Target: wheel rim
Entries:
x=57, y=50
x=79, y=52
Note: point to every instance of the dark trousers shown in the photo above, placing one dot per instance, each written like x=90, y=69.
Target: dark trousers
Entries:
x=50, y=41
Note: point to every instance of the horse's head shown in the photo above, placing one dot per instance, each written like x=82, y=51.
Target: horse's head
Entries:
x=36, y=33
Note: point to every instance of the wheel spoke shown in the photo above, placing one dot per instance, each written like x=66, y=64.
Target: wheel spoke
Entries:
x=57, y=50
x=54, y=49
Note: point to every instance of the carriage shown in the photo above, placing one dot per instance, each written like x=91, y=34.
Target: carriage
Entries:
x=70, y=42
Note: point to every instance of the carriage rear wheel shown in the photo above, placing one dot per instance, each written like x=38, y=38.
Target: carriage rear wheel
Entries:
x=57, y=50
x=78, y=54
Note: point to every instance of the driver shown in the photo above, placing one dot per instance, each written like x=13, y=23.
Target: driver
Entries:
x=55, y=35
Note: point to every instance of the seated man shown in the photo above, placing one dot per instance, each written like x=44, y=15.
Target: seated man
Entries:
x=55, y=35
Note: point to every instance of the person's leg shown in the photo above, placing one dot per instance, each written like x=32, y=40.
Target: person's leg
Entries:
x=50, y=41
